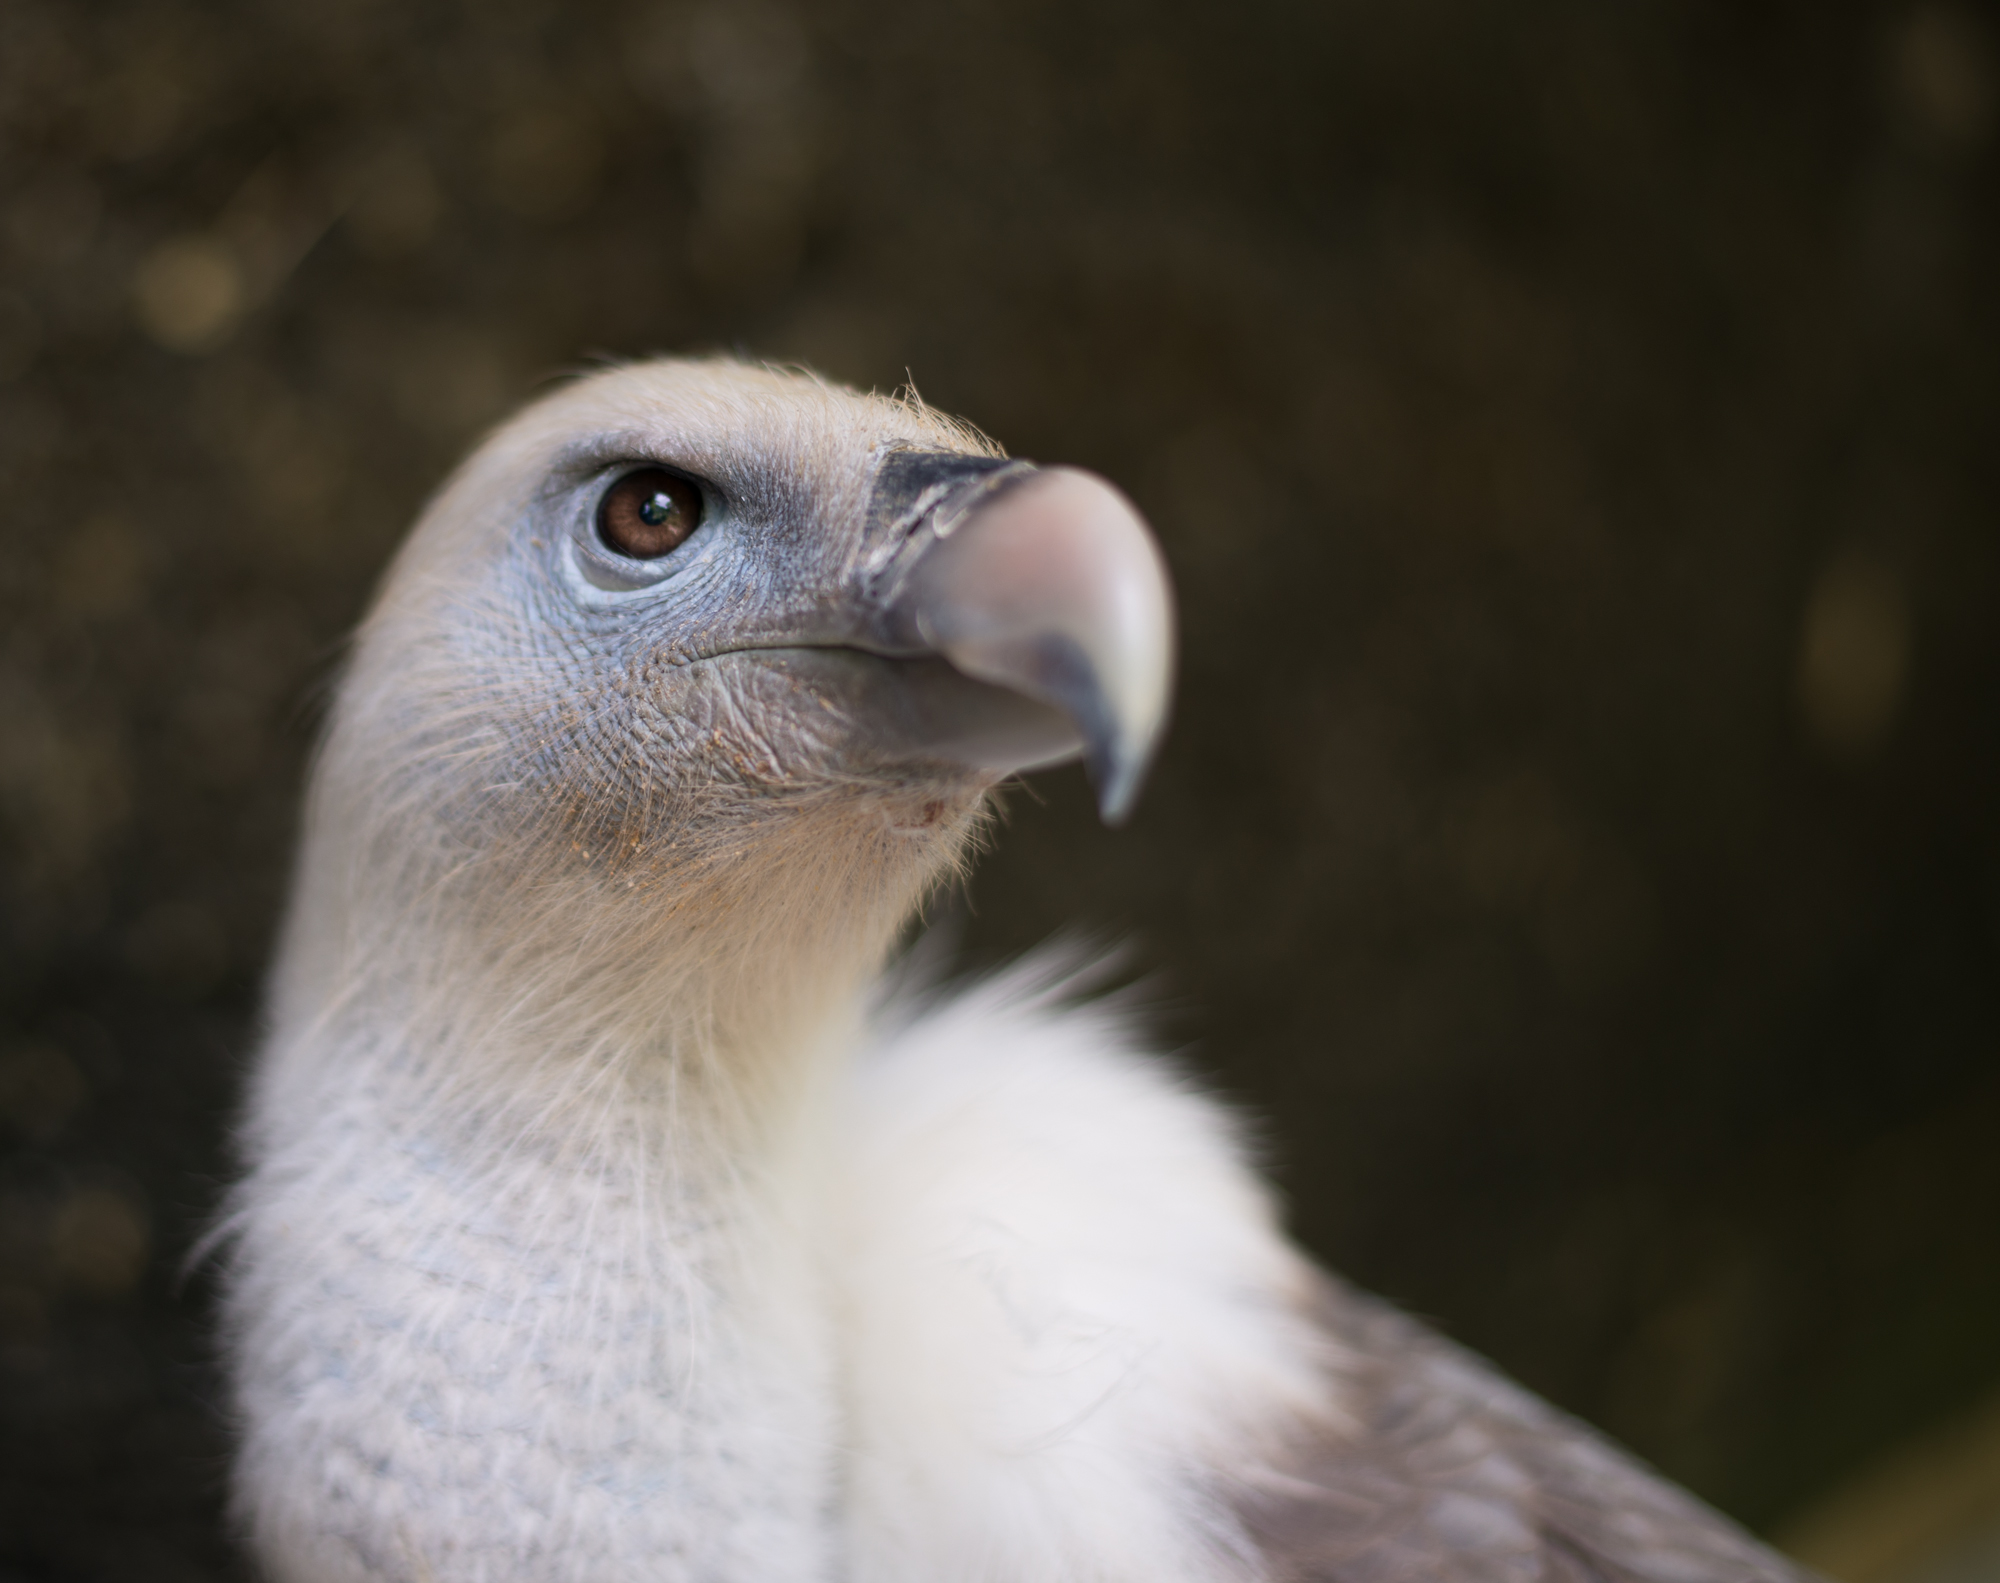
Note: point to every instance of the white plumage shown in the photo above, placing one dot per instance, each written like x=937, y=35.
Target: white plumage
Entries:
x=605, y=1218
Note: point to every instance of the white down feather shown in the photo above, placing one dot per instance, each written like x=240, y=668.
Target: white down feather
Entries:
x=1064, y=1295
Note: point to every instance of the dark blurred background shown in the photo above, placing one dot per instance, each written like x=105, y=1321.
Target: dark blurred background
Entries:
x=1572, y=425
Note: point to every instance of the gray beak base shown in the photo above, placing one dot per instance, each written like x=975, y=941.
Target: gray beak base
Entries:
x=1046, y=582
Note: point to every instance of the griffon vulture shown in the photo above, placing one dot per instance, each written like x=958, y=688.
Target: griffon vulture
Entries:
x=606, y=1220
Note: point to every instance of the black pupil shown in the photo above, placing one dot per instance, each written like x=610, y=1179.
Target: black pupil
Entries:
x=657, y=508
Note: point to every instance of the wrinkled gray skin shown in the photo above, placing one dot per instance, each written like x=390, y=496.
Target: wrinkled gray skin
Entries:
x=755, y=634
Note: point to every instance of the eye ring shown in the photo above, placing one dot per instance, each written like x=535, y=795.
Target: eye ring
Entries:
x=648, y=513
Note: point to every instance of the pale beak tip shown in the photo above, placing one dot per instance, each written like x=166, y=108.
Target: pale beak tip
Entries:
x=1117, y=790
x=1117, y=766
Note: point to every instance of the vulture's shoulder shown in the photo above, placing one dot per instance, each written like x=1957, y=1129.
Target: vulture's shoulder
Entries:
x=1454, y=1474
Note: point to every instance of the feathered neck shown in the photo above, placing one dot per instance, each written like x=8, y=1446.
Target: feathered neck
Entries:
x=529, y=980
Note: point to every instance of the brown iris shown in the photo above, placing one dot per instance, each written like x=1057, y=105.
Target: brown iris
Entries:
x=648, y=513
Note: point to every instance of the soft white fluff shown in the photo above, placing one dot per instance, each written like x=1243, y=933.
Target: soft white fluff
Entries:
x=1066, y=1304
x=1008, y=1307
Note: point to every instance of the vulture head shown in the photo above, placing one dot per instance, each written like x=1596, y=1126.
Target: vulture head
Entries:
x=694, y=668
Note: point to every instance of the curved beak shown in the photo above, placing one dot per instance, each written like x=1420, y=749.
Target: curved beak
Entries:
x=1047, y=582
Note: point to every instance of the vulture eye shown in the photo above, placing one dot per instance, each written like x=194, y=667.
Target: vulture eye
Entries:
x=648, y=513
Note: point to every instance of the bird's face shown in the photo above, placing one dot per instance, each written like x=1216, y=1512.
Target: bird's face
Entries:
x=689, y=626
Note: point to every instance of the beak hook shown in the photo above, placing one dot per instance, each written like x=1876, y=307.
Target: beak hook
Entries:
x=1046, y=582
